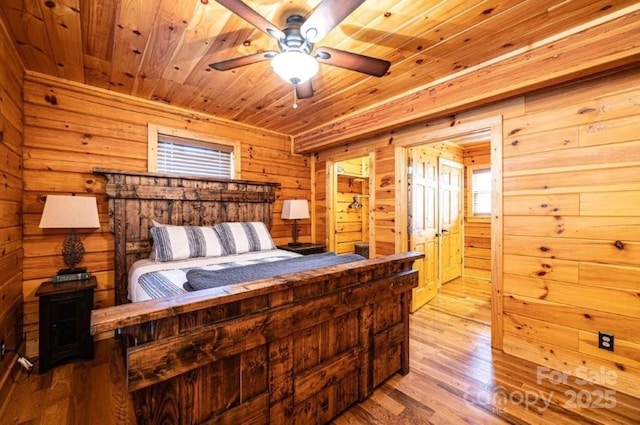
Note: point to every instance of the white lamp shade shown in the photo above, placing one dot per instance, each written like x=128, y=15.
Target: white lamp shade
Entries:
x=294, y=209
x=70, y=212
x=295, y=67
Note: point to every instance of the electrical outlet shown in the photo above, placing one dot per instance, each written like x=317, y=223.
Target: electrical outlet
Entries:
x=605, y=341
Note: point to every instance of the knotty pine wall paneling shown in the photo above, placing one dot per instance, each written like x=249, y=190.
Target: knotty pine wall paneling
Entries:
x=11, y=250
x=70, y=129
x=477, y=234
x=572, y=228
x=571, y=214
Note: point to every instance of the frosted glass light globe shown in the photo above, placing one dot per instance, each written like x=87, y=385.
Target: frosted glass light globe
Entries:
x=295, y=67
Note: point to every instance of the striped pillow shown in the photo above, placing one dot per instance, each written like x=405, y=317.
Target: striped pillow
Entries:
x=239, y=238
x=152, y=254
x=173, y=243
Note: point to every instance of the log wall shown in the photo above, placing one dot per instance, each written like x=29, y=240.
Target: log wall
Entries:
x=477, y=234
x=571, y=202
x=11, y=250
x=70, y=129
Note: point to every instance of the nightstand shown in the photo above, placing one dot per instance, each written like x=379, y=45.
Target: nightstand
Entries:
x=65, y=321
x=304, y=249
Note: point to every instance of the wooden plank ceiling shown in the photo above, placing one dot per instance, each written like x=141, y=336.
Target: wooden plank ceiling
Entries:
x=161, y=49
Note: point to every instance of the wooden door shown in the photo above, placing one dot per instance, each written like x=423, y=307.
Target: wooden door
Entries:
x=451, y=242
x=423, y=222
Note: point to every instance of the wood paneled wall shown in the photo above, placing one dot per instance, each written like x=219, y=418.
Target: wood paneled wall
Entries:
x=572, y=228
x=477, y=234
x=71, y=129
x=11, y=252
x=571, y=196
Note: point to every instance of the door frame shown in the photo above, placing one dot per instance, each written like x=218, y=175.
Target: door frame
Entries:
x=487, y=128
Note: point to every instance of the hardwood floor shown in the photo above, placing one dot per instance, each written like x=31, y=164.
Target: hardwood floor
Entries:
x=455, y=378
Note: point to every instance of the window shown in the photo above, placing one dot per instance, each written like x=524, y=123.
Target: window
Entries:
x=187, y=153
x=182, y=156
x=479, y=192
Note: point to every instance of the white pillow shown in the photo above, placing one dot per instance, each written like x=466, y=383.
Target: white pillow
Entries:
x=239, y=238
x=181, y=242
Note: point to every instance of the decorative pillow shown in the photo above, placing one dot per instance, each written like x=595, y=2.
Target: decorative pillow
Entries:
x=181, y=242
x=239, y=238
x=152, y=255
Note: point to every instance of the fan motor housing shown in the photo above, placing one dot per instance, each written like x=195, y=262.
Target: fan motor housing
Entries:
x=293, y=40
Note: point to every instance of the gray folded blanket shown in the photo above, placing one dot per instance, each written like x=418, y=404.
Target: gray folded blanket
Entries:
x=198, y=279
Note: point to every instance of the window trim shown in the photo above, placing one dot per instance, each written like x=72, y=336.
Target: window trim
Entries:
x=469, y=192
x=199, y=139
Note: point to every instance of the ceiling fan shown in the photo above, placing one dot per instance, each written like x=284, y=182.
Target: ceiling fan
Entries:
x=295, y=63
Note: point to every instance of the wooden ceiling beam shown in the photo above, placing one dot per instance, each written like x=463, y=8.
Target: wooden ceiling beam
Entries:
x=612, y=42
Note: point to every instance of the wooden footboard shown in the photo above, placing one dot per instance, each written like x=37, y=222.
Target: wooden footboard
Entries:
x=294, y=349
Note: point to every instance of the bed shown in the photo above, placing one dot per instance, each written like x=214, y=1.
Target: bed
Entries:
x=149, y=279
x=292, y=348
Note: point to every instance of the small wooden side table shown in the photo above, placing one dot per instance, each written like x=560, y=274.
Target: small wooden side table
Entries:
x=65, y=321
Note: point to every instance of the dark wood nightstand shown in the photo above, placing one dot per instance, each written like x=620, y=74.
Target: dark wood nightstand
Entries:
x=305, y=248
x=65, y=321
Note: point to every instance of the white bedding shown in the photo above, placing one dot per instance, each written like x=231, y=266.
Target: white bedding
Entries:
x=170, y=276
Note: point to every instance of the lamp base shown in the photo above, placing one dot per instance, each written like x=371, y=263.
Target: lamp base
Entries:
x=295, y=243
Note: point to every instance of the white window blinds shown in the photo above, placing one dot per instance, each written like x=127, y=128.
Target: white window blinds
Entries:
x=481, y=192
x=182, y=156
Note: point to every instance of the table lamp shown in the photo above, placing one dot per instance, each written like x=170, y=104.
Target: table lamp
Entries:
x=295, y=209
x=70, y=212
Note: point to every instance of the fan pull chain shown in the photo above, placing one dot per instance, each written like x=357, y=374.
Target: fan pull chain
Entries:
x=295, y=97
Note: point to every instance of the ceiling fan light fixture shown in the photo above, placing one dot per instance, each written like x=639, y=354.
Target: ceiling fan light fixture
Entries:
x=295, y=67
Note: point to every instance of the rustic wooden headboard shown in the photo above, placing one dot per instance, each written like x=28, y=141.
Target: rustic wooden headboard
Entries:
x=136, y=199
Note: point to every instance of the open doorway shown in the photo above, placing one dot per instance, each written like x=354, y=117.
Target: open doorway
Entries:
x=482, y=236
x=435, y=207
x=349, y=194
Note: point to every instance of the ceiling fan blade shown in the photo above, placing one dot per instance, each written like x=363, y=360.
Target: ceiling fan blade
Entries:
x=352, y=61
x=304, y=90
x=326, y=16
x=243, y=61
x=253, y=17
